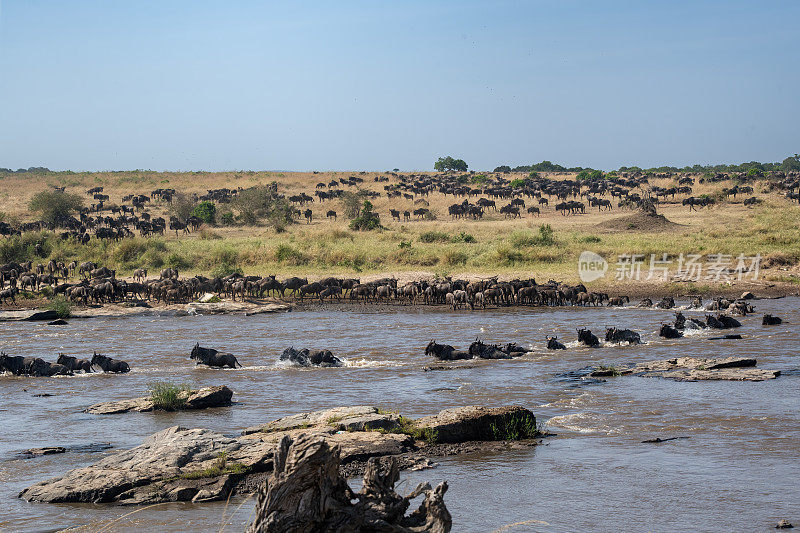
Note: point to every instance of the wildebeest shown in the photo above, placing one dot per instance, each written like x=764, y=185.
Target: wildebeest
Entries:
x=668, y=302
x=554, y=344
x=445, y=352
x=722, y=322
x=668, y=332
x=73, y=363
x=692, y=323
x=622, y=335
x=486, y=351
x=588, y=338
x=211, y=357
x=306, y=357
x=618, y=301
x=769, y=320
x=110, y=365
x=8, y=294
x=31, y=366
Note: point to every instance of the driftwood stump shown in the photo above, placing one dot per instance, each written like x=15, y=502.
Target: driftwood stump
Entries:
x=306, y=493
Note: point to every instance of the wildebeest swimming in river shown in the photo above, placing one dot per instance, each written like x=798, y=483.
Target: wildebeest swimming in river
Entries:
x=31, y=366
x=553, y=344
x=306, y=357
x=73, y=363
x=722, y=322
x=588, y=338
x=492, y=351
x=211, y=357
x=622, y=335
x=445, y=352
x=668, y=332
x=769, y=320
x=692, y=323
x=110, y=365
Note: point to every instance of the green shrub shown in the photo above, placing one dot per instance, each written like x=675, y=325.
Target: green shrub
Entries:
x=367, y=219
x=453, y=258
x=226, y=219
x=176, y=260
x=464, y=237
x=505, y=256
x=289, y=255
x=55, y=207
x=479, y=178
x=209, y=235
x=526, y=239
x=517, y=183
x=61, y=306
x=515, y=428
x=434, y=236
x=263, y=203
x=129, y=252
x=167, y=396
x=205, y=211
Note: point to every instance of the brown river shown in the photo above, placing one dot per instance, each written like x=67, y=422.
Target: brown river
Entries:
x=739, y=470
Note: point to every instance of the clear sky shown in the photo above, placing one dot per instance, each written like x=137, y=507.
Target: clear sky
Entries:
x=374, y=85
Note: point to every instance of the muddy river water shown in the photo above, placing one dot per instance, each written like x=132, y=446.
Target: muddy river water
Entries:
x=739, y=470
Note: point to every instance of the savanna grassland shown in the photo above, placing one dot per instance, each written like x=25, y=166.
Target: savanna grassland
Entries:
x=546, y=246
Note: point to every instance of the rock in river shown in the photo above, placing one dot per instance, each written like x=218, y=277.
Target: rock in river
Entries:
x=219, y=396
x=179, y=464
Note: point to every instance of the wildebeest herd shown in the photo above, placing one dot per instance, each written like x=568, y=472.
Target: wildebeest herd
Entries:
x=478, y=194
x=67, y=365
x=613, y=335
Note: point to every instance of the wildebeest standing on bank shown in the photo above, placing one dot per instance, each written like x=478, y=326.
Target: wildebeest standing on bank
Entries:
x=211, y=357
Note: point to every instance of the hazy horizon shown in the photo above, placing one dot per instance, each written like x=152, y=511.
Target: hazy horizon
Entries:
x=212, y=86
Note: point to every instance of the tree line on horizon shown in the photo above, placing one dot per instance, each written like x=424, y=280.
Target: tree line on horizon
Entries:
x=449, y=163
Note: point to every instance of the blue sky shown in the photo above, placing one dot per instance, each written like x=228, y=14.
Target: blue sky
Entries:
x=374, y=85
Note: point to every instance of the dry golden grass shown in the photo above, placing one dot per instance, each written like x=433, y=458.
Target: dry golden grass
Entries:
x=501, y=245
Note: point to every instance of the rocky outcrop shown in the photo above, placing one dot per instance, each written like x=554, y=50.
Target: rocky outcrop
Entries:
x=461, y=424
x=700, y=369
x=356, y=418
x=219, y=396
x=307, y=473
x=179, y=464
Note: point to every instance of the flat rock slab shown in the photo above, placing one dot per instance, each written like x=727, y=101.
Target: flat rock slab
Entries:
x=219, y=396
x=703, y=369
x=179, y=464
x=221, y=308
x=336, y=417
x=156, y=469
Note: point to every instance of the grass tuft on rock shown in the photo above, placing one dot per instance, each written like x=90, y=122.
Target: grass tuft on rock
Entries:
x=221, y=466
x=516, y=427
x=167, y=396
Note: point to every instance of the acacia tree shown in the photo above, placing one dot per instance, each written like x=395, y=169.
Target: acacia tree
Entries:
x=55, y=207
x=449, y=163
x=791, y=163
